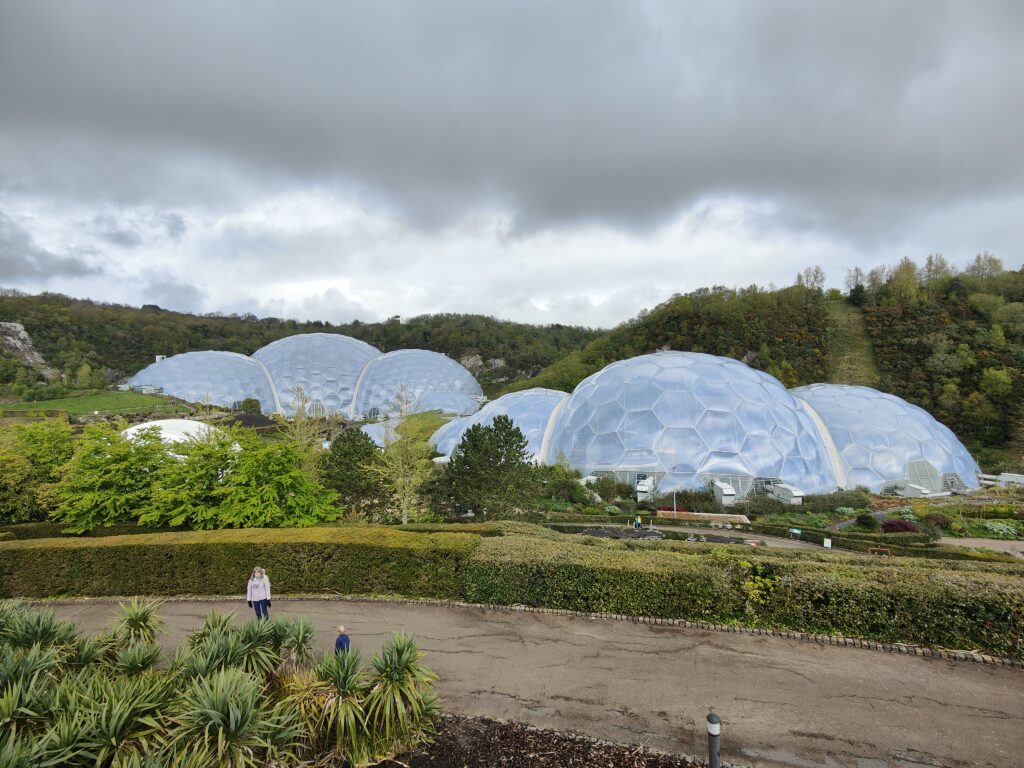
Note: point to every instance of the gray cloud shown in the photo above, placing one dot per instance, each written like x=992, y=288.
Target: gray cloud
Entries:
x=23, y=260
x=854, y=132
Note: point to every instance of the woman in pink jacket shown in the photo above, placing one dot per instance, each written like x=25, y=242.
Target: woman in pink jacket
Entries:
x=258, y=592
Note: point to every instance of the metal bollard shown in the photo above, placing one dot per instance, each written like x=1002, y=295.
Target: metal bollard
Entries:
x=714, y=735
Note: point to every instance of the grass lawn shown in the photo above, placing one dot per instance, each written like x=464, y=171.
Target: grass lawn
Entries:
x=104, y=402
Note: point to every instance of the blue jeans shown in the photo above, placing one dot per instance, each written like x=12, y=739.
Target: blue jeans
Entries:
x=261, y=609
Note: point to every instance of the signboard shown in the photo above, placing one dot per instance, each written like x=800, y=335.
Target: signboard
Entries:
x=795, y=531
x=827, y=543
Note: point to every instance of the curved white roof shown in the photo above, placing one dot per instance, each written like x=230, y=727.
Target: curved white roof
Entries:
x=173, y=430
x=429, y=381
x=877, y=435
x=687, y=414
x=216, y=378
x=325, y=365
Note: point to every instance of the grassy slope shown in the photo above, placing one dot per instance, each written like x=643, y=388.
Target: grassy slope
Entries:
x=104, y=402
x=855, y=357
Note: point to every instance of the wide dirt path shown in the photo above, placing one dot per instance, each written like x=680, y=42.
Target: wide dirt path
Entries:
x=782, y=702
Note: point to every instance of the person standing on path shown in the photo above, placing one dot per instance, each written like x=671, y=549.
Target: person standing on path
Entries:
x=342, y=642
x=258, y=592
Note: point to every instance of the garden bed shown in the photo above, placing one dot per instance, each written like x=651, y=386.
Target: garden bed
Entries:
x=478, y=742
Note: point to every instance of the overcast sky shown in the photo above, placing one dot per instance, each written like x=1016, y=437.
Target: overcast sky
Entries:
x=563, y=161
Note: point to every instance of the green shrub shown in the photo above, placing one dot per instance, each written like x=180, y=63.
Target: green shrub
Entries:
x=866, y=521
x=346, y=559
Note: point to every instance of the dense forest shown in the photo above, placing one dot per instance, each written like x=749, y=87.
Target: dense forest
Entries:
x=787, y=333
x=113, y=340
x=951, y=341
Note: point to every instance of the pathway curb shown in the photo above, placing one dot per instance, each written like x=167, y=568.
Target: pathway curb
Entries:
x=808, y=637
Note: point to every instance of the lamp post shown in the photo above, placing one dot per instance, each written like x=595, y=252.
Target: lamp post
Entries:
x=714, y=734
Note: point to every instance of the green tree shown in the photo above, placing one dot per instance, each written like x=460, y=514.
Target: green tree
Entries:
x=402, y=469
x=1011, y=318
x=250, y=405
x=83, y=377
x=343, y=469
x=110, y=477
x=996, y=383
x=490, y=472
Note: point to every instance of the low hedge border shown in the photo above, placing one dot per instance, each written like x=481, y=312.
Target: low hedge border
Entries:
x=347, y=560
x=840, y=641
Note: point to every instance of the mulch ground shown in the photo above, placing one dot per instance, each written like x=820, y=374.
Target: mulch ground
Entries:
x=477, y=742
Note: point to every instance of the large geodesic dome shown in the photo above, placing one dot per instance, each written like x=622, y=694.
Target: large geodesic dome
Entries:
x=173, y=431
x=215, y=378
x=324, y=365
x=426, y=380
x=879, y=437
x=530, y=410
x=685, y=418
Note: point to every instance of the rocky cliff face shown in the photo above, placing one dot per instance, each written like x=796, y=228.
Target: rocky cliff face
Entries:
x=15, y=339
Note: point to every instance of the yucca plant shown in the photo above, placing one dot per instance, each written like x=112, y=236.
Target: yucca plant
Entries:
x=89, y=651
x=25, y=706
x=139, y=621
x=124, y=715
x=136, y=659
x=398, y=704
x=224, y=719
x=16, y=752
x=259, y=657
x=8, y=610
x=61, y=744
x=33, y=663
x=297, y=648
x=214, y=624
x=38, y=627
x=340, y=726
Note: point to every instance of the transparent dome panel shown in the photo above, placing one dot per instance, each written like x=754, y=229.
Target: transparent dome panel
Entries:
x=215, y=378
x=529, y=410
x=877, y=435
x=411, y=375
x=689, y=414
x=324, y=366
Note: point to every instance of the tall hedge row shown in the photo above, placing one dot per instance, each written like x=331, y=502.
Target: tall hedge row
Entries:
x=958, y=610
x=964, y=605
x=344, y=560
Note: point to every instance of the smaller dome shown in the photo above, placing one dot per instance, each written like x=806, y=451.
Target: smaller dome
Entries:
x=215, y=378
x=427, y=380
x=878, y=436
x=173, y=430
x=530, y=410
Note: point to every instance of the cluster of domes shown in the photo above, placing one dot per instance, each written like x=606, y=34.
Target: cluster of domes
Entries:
x=331, y=373
x=686, y=418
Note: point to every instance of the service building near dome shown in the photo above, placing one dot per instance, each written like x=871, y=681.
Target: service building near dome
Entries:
x=664, y=421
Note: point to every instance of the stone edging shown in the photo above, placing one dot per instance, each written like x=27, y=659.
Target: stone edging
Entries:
x=809, y=637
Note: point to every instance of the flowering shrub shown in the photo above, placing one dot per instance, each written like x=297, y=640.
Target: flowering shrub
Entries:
x=898, y=526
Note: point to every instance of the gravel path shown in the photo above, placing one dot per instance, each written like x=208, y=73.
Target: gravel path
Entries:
x=782, y=702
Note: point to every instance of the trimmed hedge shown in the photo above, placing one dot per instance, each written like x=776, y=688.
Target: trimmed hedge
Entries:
x=6, y=536
x=344, y=560
x=51, y=530
x=899, y=605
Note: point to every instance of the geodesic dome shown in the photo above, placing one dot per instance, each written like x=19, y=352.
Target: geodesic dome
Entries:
x=448, y=435
x=215, y=378
x=685, y=416
x=530, y=410
x=173, y=430
x=419, y=375
x=325, y=365
x=381, y=431
x=878, y=435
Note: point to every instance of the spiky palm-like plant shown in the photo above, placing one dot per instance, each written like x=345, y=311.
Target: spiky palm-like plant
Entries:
x=341, y=726
x=214, y=624
x=399, y=705
x=39, y=627
x=298, y=641
x=124, y=715
x=89, y=651
x=217, y=652
x=33, y=663
x=139, y=621
x=224, y=718
x=260, y=658
x=136, y=659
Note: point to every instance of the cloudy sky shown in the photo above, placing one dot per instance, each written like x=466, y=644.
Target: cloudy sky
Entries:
x=542, y=161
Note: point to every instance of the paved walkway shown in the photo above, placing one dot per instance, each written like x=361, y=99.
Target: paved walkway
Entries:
x=782, y=702
x=1000, y=545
